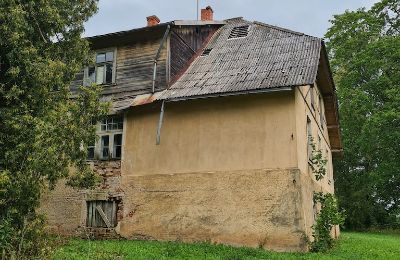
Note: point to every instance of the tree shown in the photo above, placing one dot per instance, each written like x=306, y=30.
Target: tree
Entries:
x=364, y=47
x=43, y=127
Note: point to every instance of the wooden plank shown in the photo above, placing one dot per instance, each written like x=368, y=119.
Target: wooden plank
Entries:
x=103, y=216
x=114, y=214
x=89, y=214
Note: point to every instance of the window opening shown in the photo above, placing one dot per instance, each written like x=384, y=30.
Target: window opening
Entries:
x=101, y=214
x=103, y=70
x=109, y=145
x=309, y=139
x=312, y=97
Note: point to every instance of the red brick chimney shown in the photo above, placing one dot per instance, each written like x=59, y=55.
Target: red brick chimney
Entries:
x=152, y=20
x=207, y=14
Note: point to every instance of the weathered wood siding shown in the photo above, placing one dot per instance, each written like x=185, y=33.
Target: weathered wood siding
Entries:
x=134, y=69
x=185, y=41
x=135, y=64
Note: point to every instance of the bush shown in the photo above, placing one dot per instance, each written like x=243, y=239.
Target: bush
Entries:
x=25, y=242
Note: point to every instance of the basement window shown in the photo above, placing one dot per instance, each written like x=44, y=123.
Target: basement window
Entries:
x=101, y=214
x=206, y=52
x=239, y=32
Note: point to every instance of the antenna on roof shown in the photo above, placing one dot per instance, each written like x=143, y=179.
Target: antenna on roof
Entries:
x=197, y=10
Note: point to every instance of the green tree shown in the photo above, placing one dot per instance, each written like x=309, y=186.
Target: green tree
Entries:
x=43, y=128
x=364, y=47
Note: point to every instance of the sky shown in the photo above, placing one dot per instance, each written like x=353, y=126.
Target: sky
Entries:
x=307, y=16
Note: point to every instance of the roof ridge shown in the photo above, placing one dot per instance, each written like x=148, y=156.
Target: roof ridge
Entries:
x=284, y=29
x=233, y=19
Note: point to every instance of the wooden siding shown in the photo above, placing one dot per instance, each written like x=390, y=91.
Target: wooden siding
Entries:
x=135, y=65
x=134, y=69
x=185, y=41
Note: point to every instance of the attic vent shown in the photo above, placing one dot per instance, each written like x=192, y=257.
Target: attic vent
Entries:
x=206, y=52
x=239, y=32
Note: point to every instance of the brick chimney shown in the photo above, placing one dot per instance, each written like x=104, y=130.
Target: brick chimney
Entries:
x=152, y=20
x=207, y=14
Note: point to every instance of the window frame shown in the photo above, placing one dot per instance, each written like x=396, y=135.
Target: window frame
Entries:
x=309, y=138
x=86, y=78
x=312, y=96
x=111, y=133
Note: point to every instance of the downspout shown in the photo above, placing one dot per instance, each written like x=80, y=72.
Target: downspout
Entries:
x=157, y=56
x=160, y=121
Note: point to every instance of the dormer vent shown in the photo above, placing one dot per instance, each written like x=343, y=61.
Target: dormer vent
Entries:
x=239, y=32
x=206, y=52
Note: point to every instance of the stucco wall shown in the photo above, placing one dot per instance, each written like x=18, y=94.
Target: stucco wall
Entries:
x=218, y=134
x=257, y=208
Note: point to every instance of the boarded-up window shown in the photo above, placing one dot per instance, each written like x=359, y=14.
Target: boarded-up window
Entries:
x=101, y=214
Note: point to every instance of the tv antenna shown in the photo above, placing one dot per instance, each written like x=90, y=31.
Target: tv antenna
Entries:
x=197, y=9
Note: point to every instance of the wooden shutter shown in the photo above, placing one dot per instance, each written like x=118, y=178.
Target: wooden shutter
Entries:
x=101, y=214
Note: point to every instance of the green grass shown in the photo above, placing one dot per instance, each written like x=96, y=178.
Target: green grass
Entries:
x=350, y=246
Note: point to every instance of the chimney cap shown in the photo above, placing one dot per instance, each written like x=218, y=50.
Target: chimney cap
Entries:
x=209, y=8
x=153, y=17
x=152, y=20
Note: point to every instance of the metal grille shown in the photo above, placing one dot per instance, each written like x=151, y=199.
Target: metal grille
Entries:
x=239, y=32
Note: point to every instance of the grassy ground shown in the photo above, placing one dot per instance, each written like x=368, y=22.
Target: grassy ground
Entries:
x=350, y=246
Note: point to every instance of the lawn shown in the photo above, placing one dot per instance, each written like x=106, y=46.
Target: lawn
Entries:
x=350, y=246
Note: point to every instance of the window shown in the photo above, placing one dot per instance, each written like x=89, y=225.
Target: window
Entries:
x=109, y=145
x=309, y=139
x=105, y=147
x=102, y=72
x=91, y=152
x=101, y=214
x=321, y=112
x=312, y=97
x=117, y=148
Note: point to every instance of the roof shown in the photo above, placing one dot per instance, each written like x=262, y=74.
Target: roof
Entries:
x=141, y=34
x=269, y=57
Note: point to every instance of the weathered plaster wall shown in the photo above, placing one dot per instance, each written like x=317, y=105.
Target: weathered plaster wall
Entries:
x=251, y=207
x=309, y=184
x=217, y=134
x=66, y=209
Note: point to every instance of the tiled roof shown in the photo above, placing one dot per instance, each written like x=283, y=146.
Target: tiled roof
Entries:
x=268, y=57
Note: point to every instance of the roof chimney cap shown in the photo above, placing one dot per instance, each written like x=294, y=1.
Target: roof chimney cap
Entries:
x=207, y=14
x=152, y=20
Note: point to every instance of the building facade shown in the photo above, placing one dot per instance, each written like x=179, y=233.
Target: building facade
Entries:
x=209, y=138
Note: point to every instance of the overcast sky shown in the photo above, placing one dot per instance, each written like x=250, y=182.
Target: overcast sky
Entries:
x=306, y=16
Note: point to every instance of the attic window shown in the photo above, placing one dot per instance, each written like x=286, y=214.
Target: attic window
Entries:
x=239, y=32
x=206, y=52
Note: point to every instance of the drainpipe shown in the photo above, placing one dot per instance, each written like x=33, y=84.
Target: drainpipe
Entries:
x=160, y=121
x=157, y=56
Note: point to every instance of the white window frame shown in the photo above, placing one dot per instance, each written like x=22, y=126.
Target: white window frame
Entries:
x=111, y=133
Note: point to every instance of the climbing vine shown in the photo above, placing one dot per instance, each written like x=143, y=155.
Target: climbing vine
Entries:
x=318, y=161
x=328, y=217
